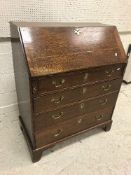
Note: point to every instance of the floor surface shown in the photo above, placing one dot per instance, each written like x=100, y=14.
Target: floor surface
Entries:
x=93, y=153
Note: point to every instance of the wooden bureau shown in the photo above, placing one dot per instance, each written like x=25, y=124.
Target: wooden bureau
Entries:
x=68, y=77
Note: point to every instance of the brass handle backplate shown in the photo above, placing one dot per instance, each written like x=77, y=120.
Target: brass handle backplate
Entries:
x=58, y=132
x=109, y=72
x=58, y=84
x=57, y=100
x=103, y=101
x=79, y=121
x=100, y=117
x=106, y=87
x=57, y=116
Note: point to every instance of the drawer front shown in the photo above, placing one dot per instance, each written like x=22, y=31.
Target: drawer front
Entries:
x=68, y=80
x=45, y=120
x=52, y=101
x=72, y=126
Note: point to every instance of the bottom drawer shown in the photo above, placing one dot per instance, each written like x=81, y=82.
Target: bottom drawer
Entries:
x=72, y=126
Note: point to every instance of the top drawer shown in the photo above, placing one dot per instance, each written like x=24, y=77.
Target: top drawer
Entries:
x=72, y=79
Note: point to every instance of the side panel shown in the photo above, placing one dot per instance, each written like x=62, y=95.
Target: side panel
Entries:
x=22, y=79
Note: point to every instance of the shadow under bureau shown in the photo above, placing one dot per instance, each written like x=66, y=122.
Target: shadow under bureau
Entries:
x=68, y=77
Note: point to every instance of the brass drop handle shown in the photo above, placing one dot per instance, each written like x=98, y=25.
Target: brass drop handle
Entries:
x=100, y=117
x=57, y=116
x=106, y=87
x=109, y=72
x=57, y=100
x=57, y=85
x=58, y=132
x=103, y=101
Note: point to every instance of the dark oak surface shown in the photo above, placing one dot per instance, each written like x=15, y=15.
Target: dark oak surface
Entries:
x=23, y=83
x=67, y=80
x=58, y=99
x=89, y=104
x=46, y=119
x=52, y=50
x=68, y=77
x=49, y=119
x=72, y=126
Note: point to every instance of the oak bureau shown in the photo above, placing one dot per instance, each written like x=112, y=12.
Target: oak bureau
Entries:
x=68, y=76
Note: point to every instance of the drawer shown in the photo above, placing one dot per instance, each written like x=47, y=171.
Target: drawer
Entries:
x=72, y=126
x=77, y=78
x=52, y=101
x=48, y=119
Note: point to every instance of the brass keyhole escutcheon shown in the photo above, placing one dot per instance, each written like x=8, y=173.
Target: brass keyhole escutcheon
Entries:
x=57, y=116
x=57, y=100
x=82, y=105
x=84, y=90
x=85, y=76
x=77, y=31
x=58, y=84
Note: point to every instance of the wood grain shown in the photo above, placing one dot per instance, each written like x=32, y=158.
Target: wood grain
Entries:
x=50, y=102
x=72, y=126
x=67, y=80
x=46, y=119
x=51, y=50
x=54, y=83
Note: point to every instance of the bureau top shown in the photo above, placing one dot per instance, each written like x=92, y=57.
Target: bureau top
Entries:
x=62, y=47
